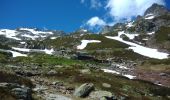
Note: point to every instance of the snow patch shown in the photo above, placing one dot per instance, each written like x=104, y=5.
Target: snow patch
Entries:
x=130, y=36
x=35, y=32
x=115, y=72
x=17, y=54
x=29, y=36
x=130, y=76
x=85, y=42
x=145, y=39
x=145, y=51
x=52, y=38
x=9, y=34
x=130, y=24
x=149, y=16
x=151, y=33
x=47, y=51
x=110, y=71
x=22, y=42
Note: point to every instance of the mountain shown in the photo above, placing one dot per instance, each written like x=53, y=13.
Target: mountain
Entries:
x=157, y=10
x=127, y=61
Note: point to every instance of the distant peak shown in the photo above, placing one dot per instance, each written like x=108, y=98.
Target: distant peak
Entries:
x=156, y=10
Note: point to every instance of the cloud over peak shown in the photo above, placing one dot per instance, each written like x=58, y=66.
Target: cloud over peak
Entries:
x=118, y=11
x=95, y=21
x=126, y=9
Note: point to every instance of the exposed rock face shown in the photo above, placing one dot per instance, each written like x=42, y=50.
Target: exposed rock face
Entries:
x=20, y=92
x=156, y=10
x=84, y=90
x=23, y=93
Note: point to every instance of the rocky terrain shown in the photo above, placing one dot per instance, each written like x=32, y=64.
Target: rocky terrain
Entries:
x=127, y=61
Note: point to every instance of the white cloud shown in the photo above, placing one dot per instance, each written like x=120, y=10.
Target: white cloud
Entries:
x=93, y=3
x=95, y=21
x=126, y=9
x=96, y=4
x=82, y=1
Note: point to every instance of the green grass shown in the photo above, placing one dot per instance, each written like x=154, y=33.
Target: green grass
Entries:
x=104, y=44
x=44, y=59
x=119, y=85
x=163, y=35
x=119, y=52
x=62, y=42
x=157, y=62
x=3, y=58
x=114, y=33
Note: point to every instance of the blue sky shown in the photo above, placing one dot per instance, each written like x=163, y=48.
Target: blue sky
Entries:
x=67, y=15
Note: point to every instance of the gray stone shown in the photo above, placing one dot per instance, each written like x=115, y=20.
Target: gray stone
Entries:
x=52, y=72
x=84, y=90
x=85, y=71
x=163, y=74
x=9, y=85
x=22, y=93
x=56, y=97
x=102, y=95
x=106, y=85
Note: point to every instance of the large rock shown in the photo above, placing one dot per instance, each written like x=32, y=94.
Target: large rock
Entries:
x=84, y=90
x=102, y=95
x=22, y=93
x=56, y=97
x=106, y=85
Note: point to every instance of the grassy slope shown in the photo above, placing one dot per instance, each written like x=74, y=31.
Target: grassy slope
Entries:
x=105, y=43
x=135, y=89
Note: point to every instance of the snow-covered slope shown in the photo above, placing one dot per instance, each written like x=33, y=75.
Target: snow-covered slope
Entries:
x=47, y=51
x=26, y=34
x=85, y=42
x=145, y=51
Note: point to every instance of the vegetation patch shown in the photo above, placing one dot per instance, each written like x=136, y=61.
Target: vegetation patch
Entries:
x=163, y=35
x=104, y=44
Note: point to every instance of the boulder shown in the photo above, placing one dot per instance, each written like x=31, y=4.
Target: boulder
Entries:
x=101, y=95
x=20, y=92
x=84, y=90
x=56, y=97
x=52, y=72
x=106, y=85
x=23, y=93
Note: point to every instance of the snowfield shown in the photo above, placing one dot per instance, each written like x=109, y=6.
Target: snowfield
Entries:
x=17, y=54
x=85, y=42
x=35, y=32
x=9, y=34
x=53, y=38
x=145, y=51
x=130, y=24
x=149, y=16
x=130, y=36
x=47, y=51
